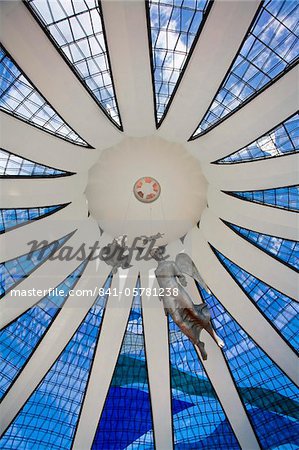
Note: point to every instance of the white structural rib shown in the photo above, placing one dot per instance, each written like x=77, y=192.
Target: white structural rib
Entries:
x=126, y=29
x=24, y=39
x=261, y=114
x=248, y=256
x=52, y=344
x=218, y=43
x=113, y=328
x=240, y=307
x=20, y=192
x=157, y=354
x=32, y=143
x=264, y=174
x=50, y=273
x=261, y=218
x=218, y=373
x=15, y=242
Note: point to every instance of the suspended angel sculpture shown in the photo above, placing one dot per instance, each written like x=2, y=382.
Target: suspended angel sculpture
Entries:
x=190, y=318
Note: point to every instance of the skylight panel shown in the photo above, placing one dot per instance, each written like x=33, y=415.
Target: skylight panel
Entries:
x=285, y=250
x=281, y=311
x=282, y=140
x=284, y=197
x=174, y=27
x=126, y=419
x=268, y=395
x=50, y=415
x=198, y=417
x=14, y=271
x=11, y=218
x=21, y=99
x=77, y=30
x=270, y=48
x=15, y=166
x=19, y=339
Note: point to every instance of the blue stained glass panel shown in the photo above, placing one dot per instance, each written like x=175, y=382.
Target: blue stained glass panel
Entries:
x=19, y=339
x=282, y=197
x=270, y=48
x=78, y=32
x=281, y=311
x=20, y=98
x=174, y=27
x=15, y=166
x=49, y=417
x=282, y=140
x=269, y=397
x=126, y=420
x=202, y=424
x=15, y=270
x=12, y=218
x=285, y=250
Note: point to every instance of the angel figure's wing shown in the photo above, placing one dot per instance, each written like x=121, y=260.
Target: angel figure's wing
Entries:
x=187, y=266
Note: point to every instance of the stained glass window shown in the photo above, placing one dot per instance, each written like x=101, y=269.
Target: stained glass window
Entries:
x=198, y=417
x=21, y=99
x=19, y=339
x=284, y=197
x=270, y=48
x=126, y=420
x=49, y=417
x=269, y=397
x=174, y=28
x=281, y=311
x=12, y=272
x=284, y=250
x=13, y=218
x=15, y=166
x=77, y=29
x=282, y=140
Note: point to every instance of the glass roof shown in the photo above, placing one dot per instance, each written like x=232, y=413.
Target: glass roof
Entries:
x=285, y=250
x=12, y=272
x=11, y=218
x=19, y=339
x=281, y=311
x=21, y=99
x=77, y=29
x=269, y=397
x=15, y=166
x=174, y=29
x=284, y=197
x=282, y=140
x=270, y=48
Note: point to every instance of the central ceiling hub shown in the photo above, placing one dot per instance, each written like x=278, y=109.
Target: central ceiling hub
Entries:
x=147, y=189
x=169, y=188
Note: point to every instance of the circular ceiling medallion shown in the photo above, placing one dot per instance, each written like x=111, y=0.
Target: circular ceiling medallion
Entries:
x=147, y=189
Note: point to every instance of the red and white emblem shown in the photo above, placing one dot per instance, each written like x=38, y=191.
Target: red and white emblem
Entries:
x=147, y=189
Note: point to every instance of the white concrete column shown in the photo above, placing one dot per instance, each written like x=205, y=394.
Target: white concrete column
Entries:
x=49, y=274
x=126, y=28
x=113, y=329
x=262, y=218
x=157, y=352
x=43, y=148
x=17, y=193
x=261, y=114
x=240, y=307
x=248, y=256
